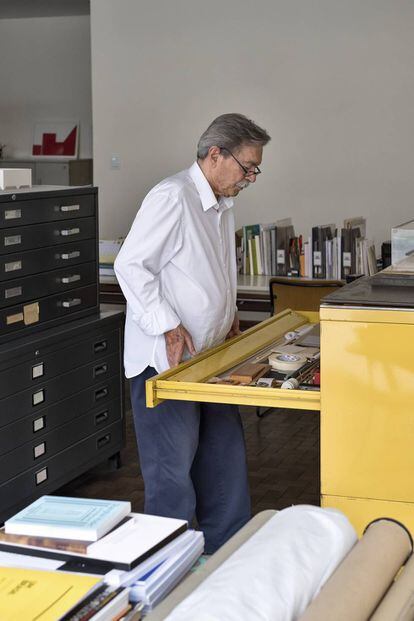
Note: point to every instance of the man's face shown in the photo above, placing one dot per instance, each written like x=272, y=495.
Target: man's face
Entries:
x=228, y=177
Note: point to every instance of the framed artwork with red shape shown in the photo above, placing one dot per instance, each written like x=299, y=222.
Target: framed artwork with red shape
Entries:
x=56, y=139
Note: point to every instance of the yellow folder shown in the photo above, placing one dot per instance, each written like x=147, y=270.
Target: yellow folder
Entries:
x=37, y=595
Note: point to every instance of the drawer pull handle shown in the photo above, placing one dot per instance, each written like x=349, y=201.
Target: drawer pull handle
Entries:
x=12, y=214
x=39, y=423
x=39, y=450
x=101, y=417
x=65, y=208
x=103, y=440
x=70, y=255
x=100, y=369
x=41, y=476
x=14, y=292
x=68, y=279
x=38, y=397
x=13, y=266
x=67, y=232
x=16, y=318
x=12, y=240
x=100, y=346
x=101, y=393
x=71, y=303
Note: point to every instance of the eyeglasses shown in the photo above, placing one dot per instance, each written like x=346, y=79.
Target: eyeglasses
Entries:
x=247, y=173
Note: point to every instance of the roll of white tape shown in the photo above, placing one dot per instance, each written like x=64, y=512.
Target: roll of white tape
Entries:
x=290, y=384
x=286, y=362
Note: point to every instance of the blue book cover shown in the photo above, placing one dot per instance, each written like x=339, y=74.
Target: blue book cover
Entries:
x=86, y=519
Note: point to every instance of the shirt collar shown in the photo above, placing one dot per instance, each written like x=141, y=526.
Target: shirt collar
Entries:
x=207, y=196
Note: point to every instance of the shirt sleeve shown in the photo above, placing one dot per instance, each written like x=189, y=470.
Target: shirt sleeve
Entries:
x=155, y=237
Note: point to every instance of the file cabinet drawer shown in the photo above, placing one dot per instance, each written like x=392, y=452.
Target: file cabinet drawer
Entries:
x=41, y=368
x=48, y=283
x=43, y=395
x=58, y=470
x=25, y=316
x=99, y=399
x=21, y=211
x=49, y=234
x=190, y=380
x=20, y=264
x=55, y=441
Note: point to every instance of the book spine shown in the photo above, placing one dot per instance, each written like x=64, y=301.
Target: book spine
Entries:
x=66, y=545
x=251, y=263
x=259, y=267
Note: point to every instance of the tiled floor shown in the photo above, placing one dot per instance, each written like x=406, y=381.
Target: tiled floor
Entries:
x=283, y=457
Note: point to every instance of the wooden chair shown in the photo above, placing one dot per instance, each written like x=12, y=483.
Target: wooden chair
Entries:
x=299, y=293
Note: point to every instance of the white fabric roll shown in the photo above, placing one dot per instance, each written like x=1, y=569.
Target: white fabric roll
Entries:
x=277, y=572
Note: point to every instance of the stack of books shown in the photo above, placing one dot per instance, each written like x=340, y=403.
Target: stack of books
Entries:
x=332, y=253
x=140, y=558
x=268, y=249
x=328, y=253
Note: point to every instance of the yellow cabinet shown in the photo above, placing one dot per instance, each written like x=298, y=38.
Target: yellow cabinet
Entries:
x=367, y=417
x=366, y=398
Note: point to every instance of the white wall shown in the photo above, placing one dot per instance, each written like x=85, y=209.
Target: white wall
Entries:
x=45, y=75
x=331, y=80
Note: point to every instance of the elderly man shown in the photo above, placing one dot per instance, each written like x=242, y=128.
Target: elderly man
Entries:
x=177, y=270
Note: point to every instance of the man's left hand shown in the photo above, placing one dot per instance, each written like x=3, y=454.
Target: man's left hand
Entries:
x=235, y=328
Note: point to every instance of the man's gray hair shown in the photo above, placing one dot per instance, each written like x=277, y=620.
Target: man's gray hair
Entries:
x=231, y=131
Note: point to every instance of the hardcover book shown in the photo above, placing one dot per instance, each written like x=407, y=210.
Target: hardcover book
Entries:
x=54, y=543
x=86, y=519
x=124, y=547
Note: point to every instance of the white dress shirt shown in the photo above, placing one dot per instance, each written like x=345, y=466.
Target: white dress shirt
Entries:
x=177, y=265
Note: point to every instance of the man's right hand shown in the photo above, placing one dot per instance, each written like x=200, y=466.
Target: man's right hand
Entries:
x=176, y=341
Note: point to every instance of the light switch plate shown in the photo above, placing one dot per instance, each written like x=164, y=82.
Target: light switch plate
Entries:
x=115, y=161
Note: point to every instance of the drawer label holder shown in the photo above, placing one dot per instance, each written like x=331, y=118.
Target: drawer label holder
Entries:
x=13, y=266
x=12, y=214
x=14, y=292
x=12, y=240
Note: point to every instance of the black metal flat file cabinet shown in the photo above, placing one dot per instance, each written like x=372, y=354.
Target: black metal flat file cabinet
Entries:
x=61, y=406
x=48, y=258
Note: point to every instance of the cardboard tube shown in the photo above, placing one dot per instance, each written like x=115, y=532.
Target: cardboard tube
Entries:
x=357, y=586
x=398, y=603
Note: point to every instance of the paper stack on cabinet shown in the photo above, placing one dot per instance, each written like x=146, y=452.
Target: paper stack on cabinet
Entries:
x=108, y=250
x=150, y=586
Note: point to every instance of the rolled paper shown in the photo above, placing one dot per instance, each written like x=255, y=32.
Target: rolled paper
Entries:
x=359, y=583
x=398, y=602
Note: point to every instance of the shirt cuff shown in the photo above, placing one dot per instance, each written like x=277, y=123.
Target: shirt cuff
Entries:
x=159, y=320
